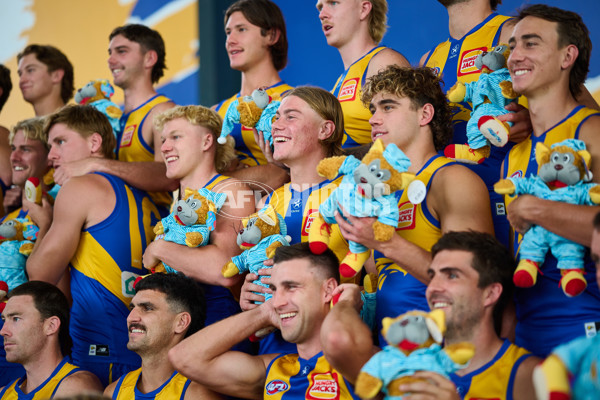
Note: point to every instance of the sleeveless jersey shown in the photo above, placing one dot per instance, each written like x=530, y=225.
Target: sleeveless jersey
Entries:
x=291, y=377
x=46, y=390
x=454, y=60
x=348, y=89
x=173, y=388
x=494, y=380
x=133, y=147
x=545, y=317
x=107, y=261
x=418, y=226
x=247, y=149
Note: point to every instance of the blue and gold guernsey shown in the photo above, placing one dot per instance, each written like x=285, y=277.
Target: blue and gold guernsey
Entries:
x=174, y=388
x=133, y=147
x=494, y=380
x=107, y=261
x=347, y=89
x=248, y=151
x=46, y=390
x=545, y=317
x=418, y=226
x=454, y=60
x=290, y=377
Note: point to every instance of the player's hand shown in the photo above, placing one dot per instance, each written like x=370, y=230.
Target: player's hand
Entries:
x=265, y=148
x=150, y=257
x=432, y=387
x=349, y=292
x=41, y=215
x=357, y=229
x=12, y=198
x=248, y=295
x=521, y=120
x=519, y=210
x=71, y=169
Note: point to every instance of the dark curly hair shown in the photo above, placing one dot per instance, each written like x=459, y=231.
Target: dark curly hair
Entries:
x=421, y=86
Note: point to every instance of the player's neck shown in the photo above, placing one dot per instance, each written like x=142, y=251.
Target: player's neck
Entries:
x=156, y=370
x=549, y=107
x=47, y=105
x=309, y=348
x=39, y=369
x=200, y=176
x=137, y=94
x=462, y=17
x=487, y=344
x=357, y=47
x=263, y=75
x=419, y=151
x=303, y=172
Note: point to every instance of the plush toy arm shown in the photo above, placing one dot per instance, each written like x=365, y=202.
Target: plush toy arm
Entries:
x=383, y=232
x=270, y=251
x=457, y=92
x=329, y=167
x=159, y=229
x=504, y=186
x=460, y=353
x=193, y=239
x=229, y=270
x=367, y=386
x=551, y=379
x=26, y=248
x=594, y=193
x=507, y=90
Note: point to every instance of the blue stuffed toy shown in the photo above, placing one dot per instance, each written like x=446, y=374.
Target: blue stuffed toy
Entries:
x=256, y=111
x=97, y=93
x=16, y=243
x=489, y=95
x=563, y=175
x=414, y=345
x=191, y=221
x=367, y=190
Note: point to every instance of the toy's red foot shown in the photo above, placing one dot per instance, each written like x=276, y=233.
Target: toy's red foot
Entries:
x=558, y=396
x=494, y=130
x=318, y=247
x=572, y=282
x=352, y=263
x=139, y=278
x=2, y=306
x=525, y=275
x=465, y=154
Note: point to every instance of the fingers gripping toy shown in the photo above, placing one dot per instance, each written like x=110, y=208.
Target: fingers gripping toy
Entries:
x=16, y=243
x=488, y=95
x=366, y=190
x=262, y=234
x=3, y=295
x=571, y=371
x=414, y=345
x=191, y=221
x=256, y=111
x=97, y=93
x=563, y=173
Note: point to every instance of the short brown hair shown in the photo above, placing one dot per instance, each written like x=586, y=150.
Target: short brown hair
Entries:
x=378, y=19
x=267, y=16
x=571, y=30
x=33, y=129
x=328, y=107
x=421, y=86
x=206, y=118
x=327, y=263
x=494, y=4
x=5, y=85
x=54, y=59
x=85, y=120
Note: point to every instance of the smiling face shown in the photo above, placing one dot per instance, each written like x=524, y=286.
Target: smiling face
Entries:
x=28, y=158
x=394, y=120
x=454, y=289
x=67, y=145
x=35, y=81
x=23, y=330
x=339, y=20
x=126, y=61
x=245, y=44
x=536, y=62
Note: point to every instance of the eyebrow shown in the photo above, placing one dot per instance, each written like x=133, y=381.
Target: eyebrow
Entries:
x=525, y=37
x=142, y=304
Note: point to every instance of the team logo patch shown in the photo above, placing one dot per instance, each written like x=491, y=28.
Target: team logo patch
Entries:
x=127, y=136
x=454, y=50
x=518, y=174
x=500, y=209
x=324, y=387
x=436, y=71
x=127, y=280
x=348, y=90
x=276, y=386
x=467, y=61
x=312, y=214
x=407, y=212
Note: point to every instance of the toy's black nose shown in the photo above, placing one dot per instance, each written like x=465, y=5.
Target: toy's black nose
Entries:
x=363, y=180
x=558, y=167
x=404, y=322
x=179, y=208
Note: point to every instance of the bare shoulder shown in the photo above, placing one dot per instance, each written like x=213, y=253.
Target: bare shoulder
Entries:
x=523, y=385
x=507, y=30
x=110, y=389
x=79, y=382
x=241, y=199
x=157, y=109
x=198, y=392
x=589, y=133
x=457, y=178
x=384, y=58
x=83, y=187
x=424, y=58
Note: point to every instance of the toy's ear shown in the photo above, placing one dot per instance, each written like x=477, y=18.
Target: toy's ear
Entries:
x=188, y=192
x=385, y=324
x=266, y=219
x=436, y=324
x=540, y=151
x=587, y=159
x=378, y=146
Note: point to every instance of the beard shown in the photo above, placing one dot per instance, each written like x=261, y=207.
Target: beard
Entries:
x=460, y=326
x=448, y=3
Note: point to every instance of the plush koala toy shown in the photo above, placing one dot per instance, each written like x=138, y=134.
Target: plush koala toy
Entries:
x=414, y=345
x=262, y=233
x=256, y=111
x=97, y=93
x=366, y=190
x=563, y=175
x=489, y=95
x=16, y=244
x=191, y=221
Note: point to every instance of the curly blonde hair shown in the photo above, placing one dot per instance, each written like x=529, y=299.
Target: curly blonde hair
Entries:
x=378, y=19
x=33, y=129
x=206, y=118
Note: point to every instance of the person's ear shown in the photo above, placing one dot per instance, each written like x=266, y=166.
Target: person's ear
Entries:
x=273, y=35
x=326, y=130
x=365, y=9
x=329, y=286
x=56, y=76
x=492, y=294
x=427, y=112
x=207, y=141
x=51, y=325
x=150, y=58
x=571, y=54
x=184, y=319
x=95, y=142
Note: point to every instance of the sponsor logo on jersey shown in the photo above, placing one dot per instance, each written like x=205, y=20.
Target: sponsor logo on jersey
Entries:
x=276, y=386
x=127, y=280
x=467, y=61
x=348, y=90
x=517, y=174
x=127, y=136
x=500, y=209
x=311, y=215
x=437, y=70
x=323, y=387
x=407, y=212
x=454, y=50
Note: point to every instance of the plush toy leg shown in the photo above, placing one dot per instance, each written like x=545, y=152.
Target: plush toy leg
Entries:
x=229, y=270
x=352, y=263
x=550, y=380
x=465, y=154
x=318, y=235
x=526, y=274
x=572, y=282
x=494, y=130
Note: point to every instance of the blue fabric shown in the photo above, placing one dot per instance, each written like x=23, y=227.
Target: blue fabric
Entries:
x=581, y=357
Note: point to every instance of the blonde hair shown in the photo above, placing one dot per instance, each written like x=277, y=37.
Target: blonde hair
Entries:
x=33, y=129
x=378, y=19
x=206, y=118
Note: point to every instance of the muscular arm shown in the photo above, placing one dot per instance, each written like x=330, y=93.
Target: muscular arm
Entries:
x=205, y=356
x=384, y=58
x=5, y=168
x=268, y=175
x=77, y=383
x=204, y=263
x=523, y=385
